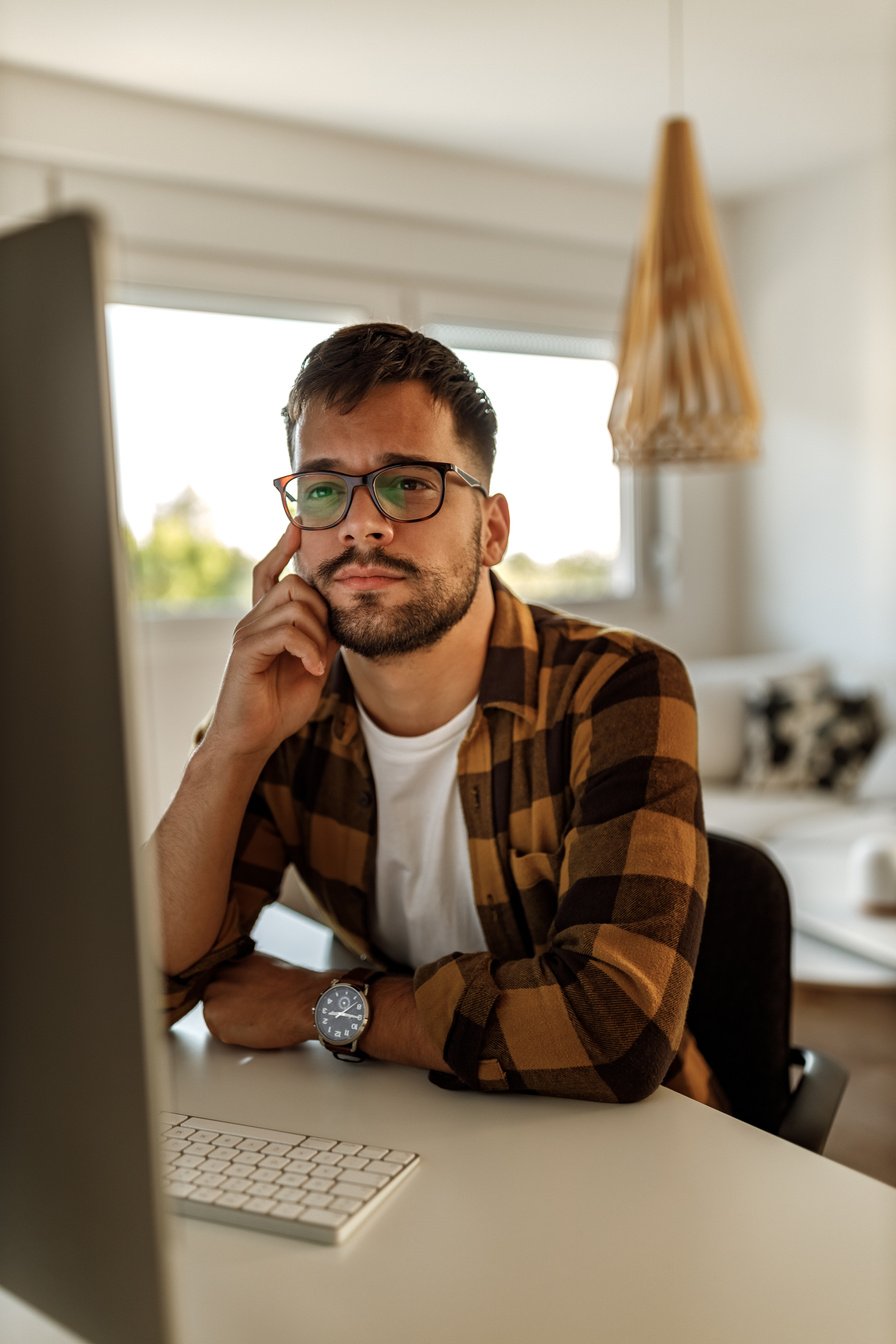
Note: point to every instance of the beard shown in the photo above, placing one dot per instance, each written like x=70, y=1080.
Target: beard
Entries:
x=370, y=628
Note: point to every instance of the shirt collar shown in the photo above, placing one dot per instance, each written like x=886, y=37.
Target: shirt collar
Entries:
x=510, y=676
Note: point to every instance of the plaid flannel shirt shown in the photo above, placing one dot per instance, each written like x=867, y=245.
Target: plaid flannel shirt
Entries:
x=580, y=793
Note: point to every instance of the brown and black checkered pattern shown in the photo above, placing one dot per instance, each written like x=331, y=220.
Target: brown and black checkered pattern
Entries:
x=580, y=792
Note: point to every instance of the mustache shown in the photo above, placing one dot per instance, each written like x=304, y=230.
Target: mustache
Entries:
x=329, y=569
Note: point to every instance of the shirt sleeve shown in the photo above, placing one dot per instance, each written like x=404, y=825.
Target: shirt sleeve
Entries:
x=599, y=1012
x=258, y=868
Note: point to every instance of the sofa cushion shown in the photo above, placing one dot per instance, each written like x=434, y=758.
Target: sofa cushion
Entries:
x=721, y=686
x=800, y=734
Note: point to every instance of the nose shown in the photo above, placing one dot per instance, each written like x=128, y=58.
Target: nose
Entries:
x=364, y=522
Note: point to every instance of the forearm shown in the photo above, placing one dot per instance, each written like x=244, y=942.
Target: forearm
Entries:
x=194, y=846
x=396, y=1033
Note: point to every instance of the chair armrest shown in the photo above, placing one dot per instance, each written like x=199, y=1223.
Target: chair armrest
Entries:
x=815, y=1099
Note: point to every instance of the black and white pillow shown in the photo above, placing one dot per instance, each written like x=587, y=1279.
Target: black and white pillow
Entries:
x=802, y=734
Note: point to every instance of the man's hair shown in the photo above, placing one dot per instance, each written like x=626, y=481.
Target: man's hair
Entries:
x=345, y=368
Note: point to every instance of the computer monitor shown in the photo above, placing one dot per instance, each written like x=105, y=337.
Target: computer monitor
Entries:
x=80, y=1228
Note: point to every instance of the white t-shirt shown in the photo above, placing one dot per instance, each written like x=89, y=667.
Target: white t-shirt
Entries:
x=424, y=887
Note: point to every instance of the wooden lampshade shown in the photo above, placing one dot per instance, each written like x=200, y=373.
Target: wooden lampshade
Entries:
x=686, y=392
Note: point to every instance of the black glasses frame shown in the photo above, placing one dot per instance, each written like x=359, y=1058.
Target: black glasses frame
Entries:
x=355, y=482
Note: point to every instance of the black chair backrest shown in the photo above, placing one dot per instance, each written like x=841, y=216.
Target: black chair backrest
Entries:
x=739, y=1010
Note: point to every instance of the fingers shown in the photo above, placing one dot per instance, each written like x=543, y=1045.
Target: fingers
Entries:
x=286, y=629
x=291, y=589
x=268, y=570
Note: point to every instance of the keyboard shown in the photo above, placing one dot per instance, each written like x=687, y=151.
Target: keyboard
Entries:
x=301, y=1185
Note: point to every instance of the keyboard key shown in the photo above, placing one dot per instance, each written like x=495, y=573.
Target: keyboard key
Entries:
x=235, y=1185
x=395, y=1155
x=175, y=1145
x=322, y=1145
x=169, y=1118
x=385, y=1168
x=368, y=1178
x=225, y=1140
x=289, y=1196
x=273, y=1163
x=327, y=1173
x=258, y=1205
x=213, y=1164
x=375, y=1153
x=323, y=1217
x=250, y=1145
x=208, y=1180
x=263, y=1188
x=317, y=1186
x=292, y=1180
x=317, y=1201
x=187, y=1161
x=231, y=1199
x=242, y=1169
x=300, y=1168
x=179, y=1189
x=286, y=1211
x=204, y=1196
x=202, y=1148
x=354, y=1163
x=179, y=1132
x=276, y=1149
x=350, y=1191
x=343, y=1205
x=352, y=1149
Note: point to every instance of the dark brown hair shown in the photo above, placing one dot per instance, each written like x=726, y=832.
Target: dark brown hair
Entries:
x=342, y=370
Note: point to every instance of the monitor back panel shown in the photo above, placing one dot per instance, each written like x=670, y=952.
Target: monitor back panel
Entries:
x=79, y=1232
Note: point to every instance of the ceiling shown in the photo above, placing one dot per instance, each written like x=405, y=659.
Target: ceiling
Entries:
x=779, y=88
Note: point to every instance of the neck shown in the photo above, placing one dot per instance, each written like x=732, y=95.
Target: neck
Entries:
x=418, y=692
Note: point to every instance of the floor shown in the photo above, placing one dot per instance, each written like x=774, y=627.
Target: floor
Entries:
x=858, y=1027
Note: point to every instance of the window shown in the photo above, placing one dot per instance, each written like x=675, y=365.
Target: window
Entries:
x=571, y=537
x=196, y=406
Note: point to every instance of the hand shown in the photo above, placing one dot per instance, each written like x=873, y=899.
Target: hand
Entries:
x=281, y=653
x=262, y=1003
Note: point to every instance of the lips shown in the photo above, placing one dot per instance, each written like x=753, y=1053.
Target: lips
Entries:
x=366, y=572
x=358, y=579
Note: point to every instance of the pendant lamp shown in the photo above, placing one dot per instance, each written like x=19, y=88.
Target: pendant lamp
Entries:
x=686, y=392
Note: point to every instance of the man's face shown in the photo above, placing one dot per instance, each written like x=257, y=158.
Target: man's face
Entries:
x=392, y=587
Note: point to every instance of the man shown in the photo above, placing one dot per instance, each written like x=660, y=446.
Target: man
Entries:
x=495, y=805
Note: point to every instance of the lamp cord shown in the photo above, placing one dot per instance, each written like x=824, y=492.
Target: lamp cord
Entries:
x=676, y=57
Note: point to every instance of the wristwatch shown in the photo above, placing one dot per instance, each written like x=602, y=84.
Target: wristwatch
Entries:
x=342, y=1014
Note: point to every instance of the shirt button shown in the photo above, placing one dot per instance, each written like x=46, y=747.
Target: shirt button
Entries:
x=365, y=798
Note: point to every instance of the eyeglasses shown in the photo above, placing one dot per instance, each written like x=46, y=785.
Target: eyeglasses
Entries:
x=405, y=492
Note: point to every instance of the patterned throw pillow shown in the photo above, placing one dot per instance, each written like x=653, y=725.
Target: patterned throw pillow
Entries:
x=801, y=734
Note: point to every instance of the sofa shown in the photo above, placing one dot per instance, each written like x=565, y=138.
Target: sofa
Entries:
x=799, y=756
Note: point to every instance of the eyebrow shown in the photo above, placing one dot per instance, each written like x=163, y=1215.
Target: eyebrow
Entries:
x=385, y=460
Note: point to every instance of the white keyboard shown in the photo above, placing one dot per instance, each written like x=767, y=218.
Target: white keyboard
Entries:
x=298, y=1184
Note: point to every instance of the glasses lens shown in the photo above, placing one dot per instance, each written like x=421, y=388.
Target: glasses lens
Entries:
x=408, y=493
x=316, y=499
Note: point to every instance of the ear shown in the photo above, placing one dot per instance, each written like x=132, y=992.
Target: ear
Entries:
x=495, y=530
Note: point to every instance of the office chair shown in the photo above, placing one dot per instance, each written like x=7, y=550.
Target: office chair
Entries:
x=740, y=1003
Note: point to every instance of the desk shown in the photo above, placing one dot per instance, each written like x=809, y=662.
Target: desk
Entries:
x=529, y=1218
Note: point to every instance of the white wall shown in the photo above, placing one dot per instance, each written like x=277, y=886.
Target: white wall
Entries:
x=816, y=271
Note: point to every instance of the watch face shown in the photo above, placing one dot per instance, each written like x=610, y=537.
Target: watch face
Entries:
x=341, y=1014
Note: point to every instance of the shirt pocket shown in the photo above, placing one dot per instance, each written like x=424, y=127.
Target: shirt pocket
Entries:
x=536, y=876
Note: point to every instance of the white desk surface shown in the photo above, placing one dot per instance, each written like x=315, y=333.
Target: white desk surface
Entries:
x=825, y=908
x=528, y=1219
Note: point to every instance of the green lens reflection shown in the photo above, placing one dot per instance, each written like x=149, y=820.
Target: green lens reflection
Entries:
x=319, y=499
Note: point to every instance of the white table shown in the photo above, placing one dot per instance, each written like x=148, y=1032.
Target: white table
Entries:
x=529, y=1218
x=825, y=909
